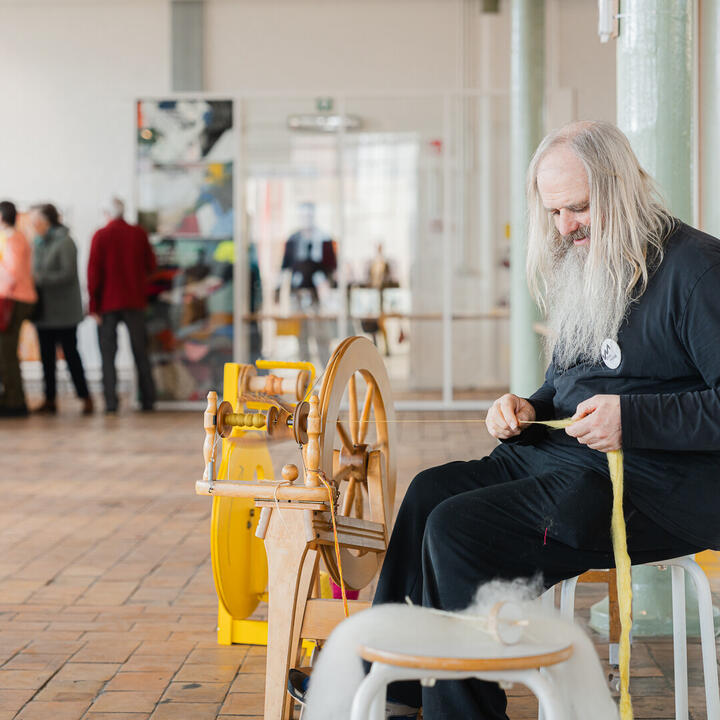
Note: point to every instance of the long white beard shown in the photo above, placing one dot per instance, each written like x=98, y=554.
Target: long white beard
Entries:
x=581, y=314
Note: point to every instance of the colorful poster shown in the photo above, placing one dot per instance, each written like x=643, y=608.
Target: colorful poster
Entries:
x=185, y=202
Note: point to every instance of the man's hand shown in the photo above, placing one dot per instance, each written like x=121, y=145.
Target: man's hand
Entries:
x=97, y=318
x=503, y=418
x=600, y=427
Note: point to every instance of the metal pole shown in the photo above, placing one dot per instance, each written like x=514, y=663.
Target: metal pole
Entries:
x=241, y=274
x=709, y=116
x=344, y=310
x=187, y=45
x=448, y=252
x=655, y=93
x=526, y=130
x=655, y=100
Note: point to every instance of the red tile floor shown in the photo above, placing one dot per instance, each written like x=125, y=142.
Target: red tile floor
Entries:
x=107, y=606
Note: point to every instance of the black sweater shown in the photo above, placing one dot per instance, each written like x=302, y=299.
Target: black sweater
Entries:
x=668, y=381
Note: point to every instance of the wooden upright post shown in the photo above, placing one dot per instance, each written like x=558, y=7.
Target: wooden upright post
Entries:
x=209, y=444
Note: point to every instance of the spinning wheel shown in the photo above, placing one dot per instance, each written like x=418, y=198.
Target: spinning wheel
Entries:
x=300, y=517
x=358, y=454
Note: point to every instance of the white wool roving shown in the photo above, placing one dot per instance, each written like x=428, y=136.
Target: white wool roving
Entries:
x=339, y=671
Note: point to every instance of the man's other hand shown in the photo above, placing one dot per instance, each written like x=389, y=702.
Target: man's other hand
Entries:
x=503, y=418
x=598, y=423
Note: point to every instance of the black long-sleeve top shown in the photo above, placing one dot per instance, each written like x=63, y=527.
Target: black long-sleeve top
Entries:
x=668, y=381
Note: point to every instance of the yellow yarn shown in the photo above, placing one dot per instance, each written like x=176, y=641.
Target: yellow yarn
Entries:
x=622, y=565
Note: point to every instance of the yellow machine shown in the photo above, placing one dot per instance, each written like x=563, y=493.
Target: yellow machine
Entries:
x=238, y=557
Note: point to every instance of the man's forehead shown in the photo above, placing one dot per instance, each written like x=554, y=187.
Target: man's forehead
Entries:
x=562, y=179
x=563, y=160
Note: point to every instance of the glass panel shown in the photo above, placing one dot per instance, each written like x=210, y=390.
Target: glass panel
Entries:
x=293, y=226
x=185, y=202
x=392, y=170
x=481, y=248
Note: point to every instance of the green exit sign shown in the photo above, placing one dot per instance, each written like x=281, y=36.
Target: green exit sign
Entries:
x=323, y=104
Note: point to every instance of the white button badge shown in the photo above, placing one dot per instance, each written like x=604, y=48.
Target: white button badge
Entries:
x=610, y=352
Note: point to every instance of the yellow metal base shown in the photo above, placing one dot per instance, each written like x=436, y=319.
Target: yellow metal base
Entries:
x=232, y=631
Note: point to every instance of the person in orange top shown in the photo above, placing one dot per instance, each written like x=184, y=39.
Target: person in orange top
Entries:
x=16, y=284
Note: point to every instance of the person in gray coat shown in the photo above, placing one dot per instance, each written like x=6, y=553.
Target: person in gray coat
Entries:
x=59, y=303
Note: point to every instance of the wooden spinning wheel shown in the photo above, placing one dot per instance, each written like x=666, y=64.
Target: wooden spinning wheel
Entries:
x=349, y=477
x=364, y=473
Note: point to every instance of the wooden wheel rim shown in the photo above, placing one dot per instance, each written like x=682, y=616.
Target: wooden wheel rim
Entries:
x=357, y=354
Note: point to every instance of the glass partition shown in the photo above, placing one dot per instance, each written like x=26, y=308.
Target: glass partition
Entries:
x=378, y=215
x=481, y=247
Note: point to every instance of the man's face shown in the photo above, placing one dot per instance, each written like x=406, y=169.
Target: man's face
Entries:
x=563, y=186
x=39, y=222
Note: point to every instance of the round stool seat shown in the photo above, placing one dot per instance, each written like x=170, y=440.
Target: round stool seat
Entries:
x=474, y=657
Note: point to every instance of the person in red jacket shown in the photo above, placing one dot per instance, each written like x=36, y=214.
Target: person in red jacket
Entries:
x=121, y=259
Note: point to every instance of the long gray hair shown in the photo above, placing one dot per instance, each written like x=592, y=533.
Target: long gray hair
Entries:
x=628, y=217
x=629, y=224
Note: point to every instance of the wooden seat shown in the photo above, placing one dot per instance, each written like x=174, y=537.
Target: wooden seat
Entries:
x=522, y=657
x=459, y=656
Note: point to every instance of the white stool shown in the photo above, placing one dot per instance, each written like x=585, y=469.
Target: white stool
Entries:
x=521, y=663
x=678, y=567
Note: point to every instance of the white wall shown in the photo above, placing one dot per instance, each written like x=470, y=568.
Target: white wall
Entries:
x=72, y=73
x=350, y=45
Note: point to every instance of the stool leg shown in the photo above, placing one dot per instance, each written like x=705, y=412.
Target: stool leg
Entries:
x=707, y=635
x=548, y=602
x=567, y=598
x=547, y=599
x=369, y=700
x=679, y=642
x=551, y=705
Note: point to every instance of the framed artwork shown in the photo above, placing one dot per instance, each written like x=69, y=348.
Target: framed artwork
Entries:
x=185, y=153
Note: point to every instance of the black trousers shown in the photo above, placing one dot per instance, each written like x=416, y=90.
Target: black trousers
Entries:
x=515, y=514
x=107, y=337
x=66, y=336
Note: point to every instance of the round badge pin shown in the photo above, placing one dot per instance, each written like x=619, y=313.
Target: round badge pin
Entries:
x=610, y=352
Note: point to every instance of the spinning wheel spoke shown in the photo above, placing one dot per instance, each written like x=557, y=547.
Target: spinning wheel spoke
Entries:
x=359, y=501
x=341, y=475
x=353, y=402
x=343, y=433
x=367, y=405
x=350, y=496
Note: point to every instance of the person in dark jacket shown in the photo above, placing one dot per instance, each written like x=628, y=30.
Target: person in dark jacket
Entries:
x=630, y=295
x=59, y=303
x=121, y=260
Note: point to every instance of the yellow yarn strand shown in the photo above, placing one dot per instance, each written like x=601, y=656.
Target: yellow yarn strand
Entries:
x=624, y=579
x=622, y=565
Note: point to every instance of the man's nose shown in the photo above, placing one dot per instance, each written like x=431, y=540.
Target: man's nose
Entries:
x=566, y=223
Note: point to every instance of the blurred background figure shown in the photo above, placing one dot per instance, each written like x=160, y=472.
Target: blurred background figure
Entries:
x=308, y=265
x=17, y=297
x=379, y=274
x=59, y=308
x=379, y=277
x=254, y=302
x=121, y=261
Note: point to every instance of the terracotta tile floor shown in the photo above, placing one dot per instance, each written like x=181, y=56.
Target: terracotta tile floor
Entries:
x=107, y=606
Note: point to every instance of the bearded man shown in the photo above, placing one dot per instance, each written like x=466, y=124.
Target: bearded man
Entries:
x=631, y=296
